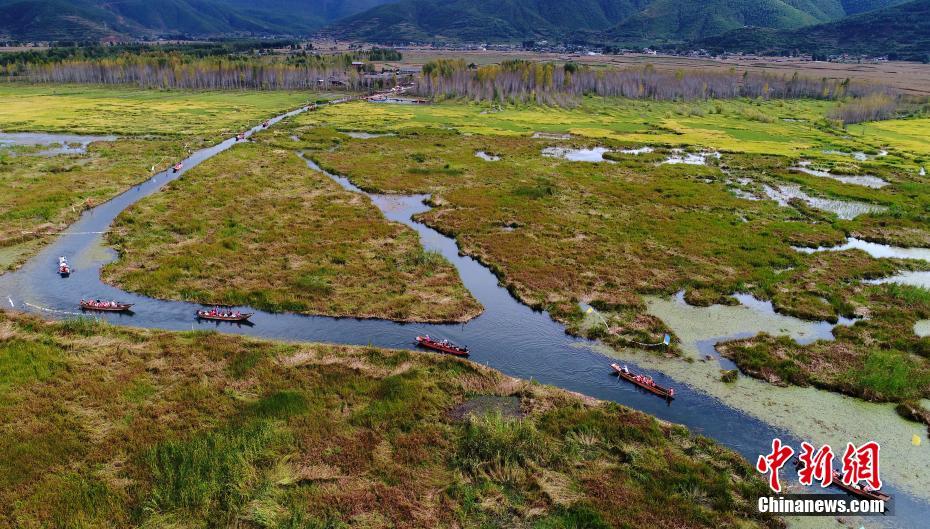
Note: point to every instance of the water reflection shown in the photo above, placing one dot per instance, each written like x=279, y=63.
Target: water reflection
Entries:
x=594, y=154
x=784, y=194
x=58, y=143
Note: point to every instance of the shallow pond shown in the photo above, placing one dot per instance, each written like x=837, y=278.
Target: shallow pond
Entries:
x=917, y=278
x=487, y=157
x=57, y=143
x=594, y=154
x=551, y=136
x=844, y=210
x=877, y=250
x=922, y=328
x=690, y=158
x=856, y=155
x=871, y=181
x=368, y=135
x=642, y=150
x=911, y=278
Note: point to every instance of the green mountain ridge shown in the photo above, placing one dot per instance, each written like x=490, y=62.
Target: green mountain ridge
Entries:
x=900, y=31
x=95, y=19
x=625, y=22
x=874, y=27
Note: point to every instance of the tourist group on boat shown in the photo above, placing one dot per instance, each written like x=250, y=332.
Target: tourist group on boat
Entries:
x=64, y=269
x=219, y=314
x=644, y=381
x=444, y=346
x=109, y=306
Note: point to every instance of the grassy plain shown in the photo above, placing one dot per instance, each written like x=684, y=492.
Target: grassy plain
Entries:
x=783, y=127
x=40, y=195
x=196, y=117
x=109, y=427
x=558, y=232
x=256, y=226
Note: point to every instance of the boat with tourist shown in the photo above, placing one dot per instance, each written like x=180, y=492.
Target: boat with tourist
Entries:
x=644, y=381
x=64, y=269
x=444, y=346
x=105, y=306
x=859, y=490
x=218, y=314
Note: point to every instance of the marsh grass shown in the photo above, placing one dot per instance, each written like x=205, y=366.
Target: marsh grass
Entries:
x=897, y=370
x=608, y=233
x=40, y=196
x=255, y=226
x=323, y=436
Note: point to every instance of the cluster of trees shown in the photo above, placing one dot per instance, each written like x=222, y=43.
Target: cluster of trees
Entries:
x=874, y=107
x=78, y=51
x=213, y=67
x=546, y=83
x=201, y=74
x=383, y=54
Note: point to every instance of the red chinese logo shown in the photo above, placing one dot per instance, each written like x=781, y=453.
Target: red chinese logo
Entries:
x=861, y=464
x=773, y=462
x=816, y=465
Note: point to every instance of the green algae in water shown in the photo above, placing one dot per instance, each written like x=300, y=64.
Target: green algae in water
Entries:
x=808, y=413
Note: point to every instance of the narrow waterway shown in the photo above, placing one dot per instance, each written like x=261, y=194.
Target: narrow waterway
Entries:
x=508, y=336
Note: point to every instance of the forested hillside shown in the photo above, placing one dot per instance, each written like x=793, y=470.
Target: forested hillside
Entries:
x=628, y=22
x=875, y=27
x=901, y=32
x=94, y=19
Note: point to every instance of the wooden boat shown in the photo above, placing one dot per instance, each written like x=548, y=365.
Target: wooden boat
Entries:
x=856, y=491
x=223, y=316
x=115, y=307
x=64, y=269
x=644, y=381
x=443, y=346
x=178, y=166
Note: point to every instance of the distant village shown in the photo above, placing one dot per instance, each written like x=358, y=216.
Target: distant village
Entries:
x=539, y=46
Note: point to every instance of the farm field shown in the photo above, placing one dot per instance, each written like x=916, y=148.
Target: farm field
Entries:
x=146, y=131
x=111, y=427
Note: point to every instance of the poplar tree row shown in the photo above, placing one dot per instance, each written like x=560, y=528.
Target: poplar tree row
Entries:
x=177, y=71
x=547, y=83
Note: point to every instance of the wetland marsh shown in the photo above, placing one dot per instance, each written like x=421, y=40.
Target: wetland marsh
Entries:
x=619, y=236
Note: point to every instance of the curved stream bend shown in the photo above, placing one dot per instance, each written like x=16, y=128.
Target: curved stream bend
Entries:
x=508, y=336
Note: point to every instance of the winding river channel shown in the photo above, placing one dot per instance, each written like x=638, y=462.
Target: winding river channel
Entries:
x=528, y=344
